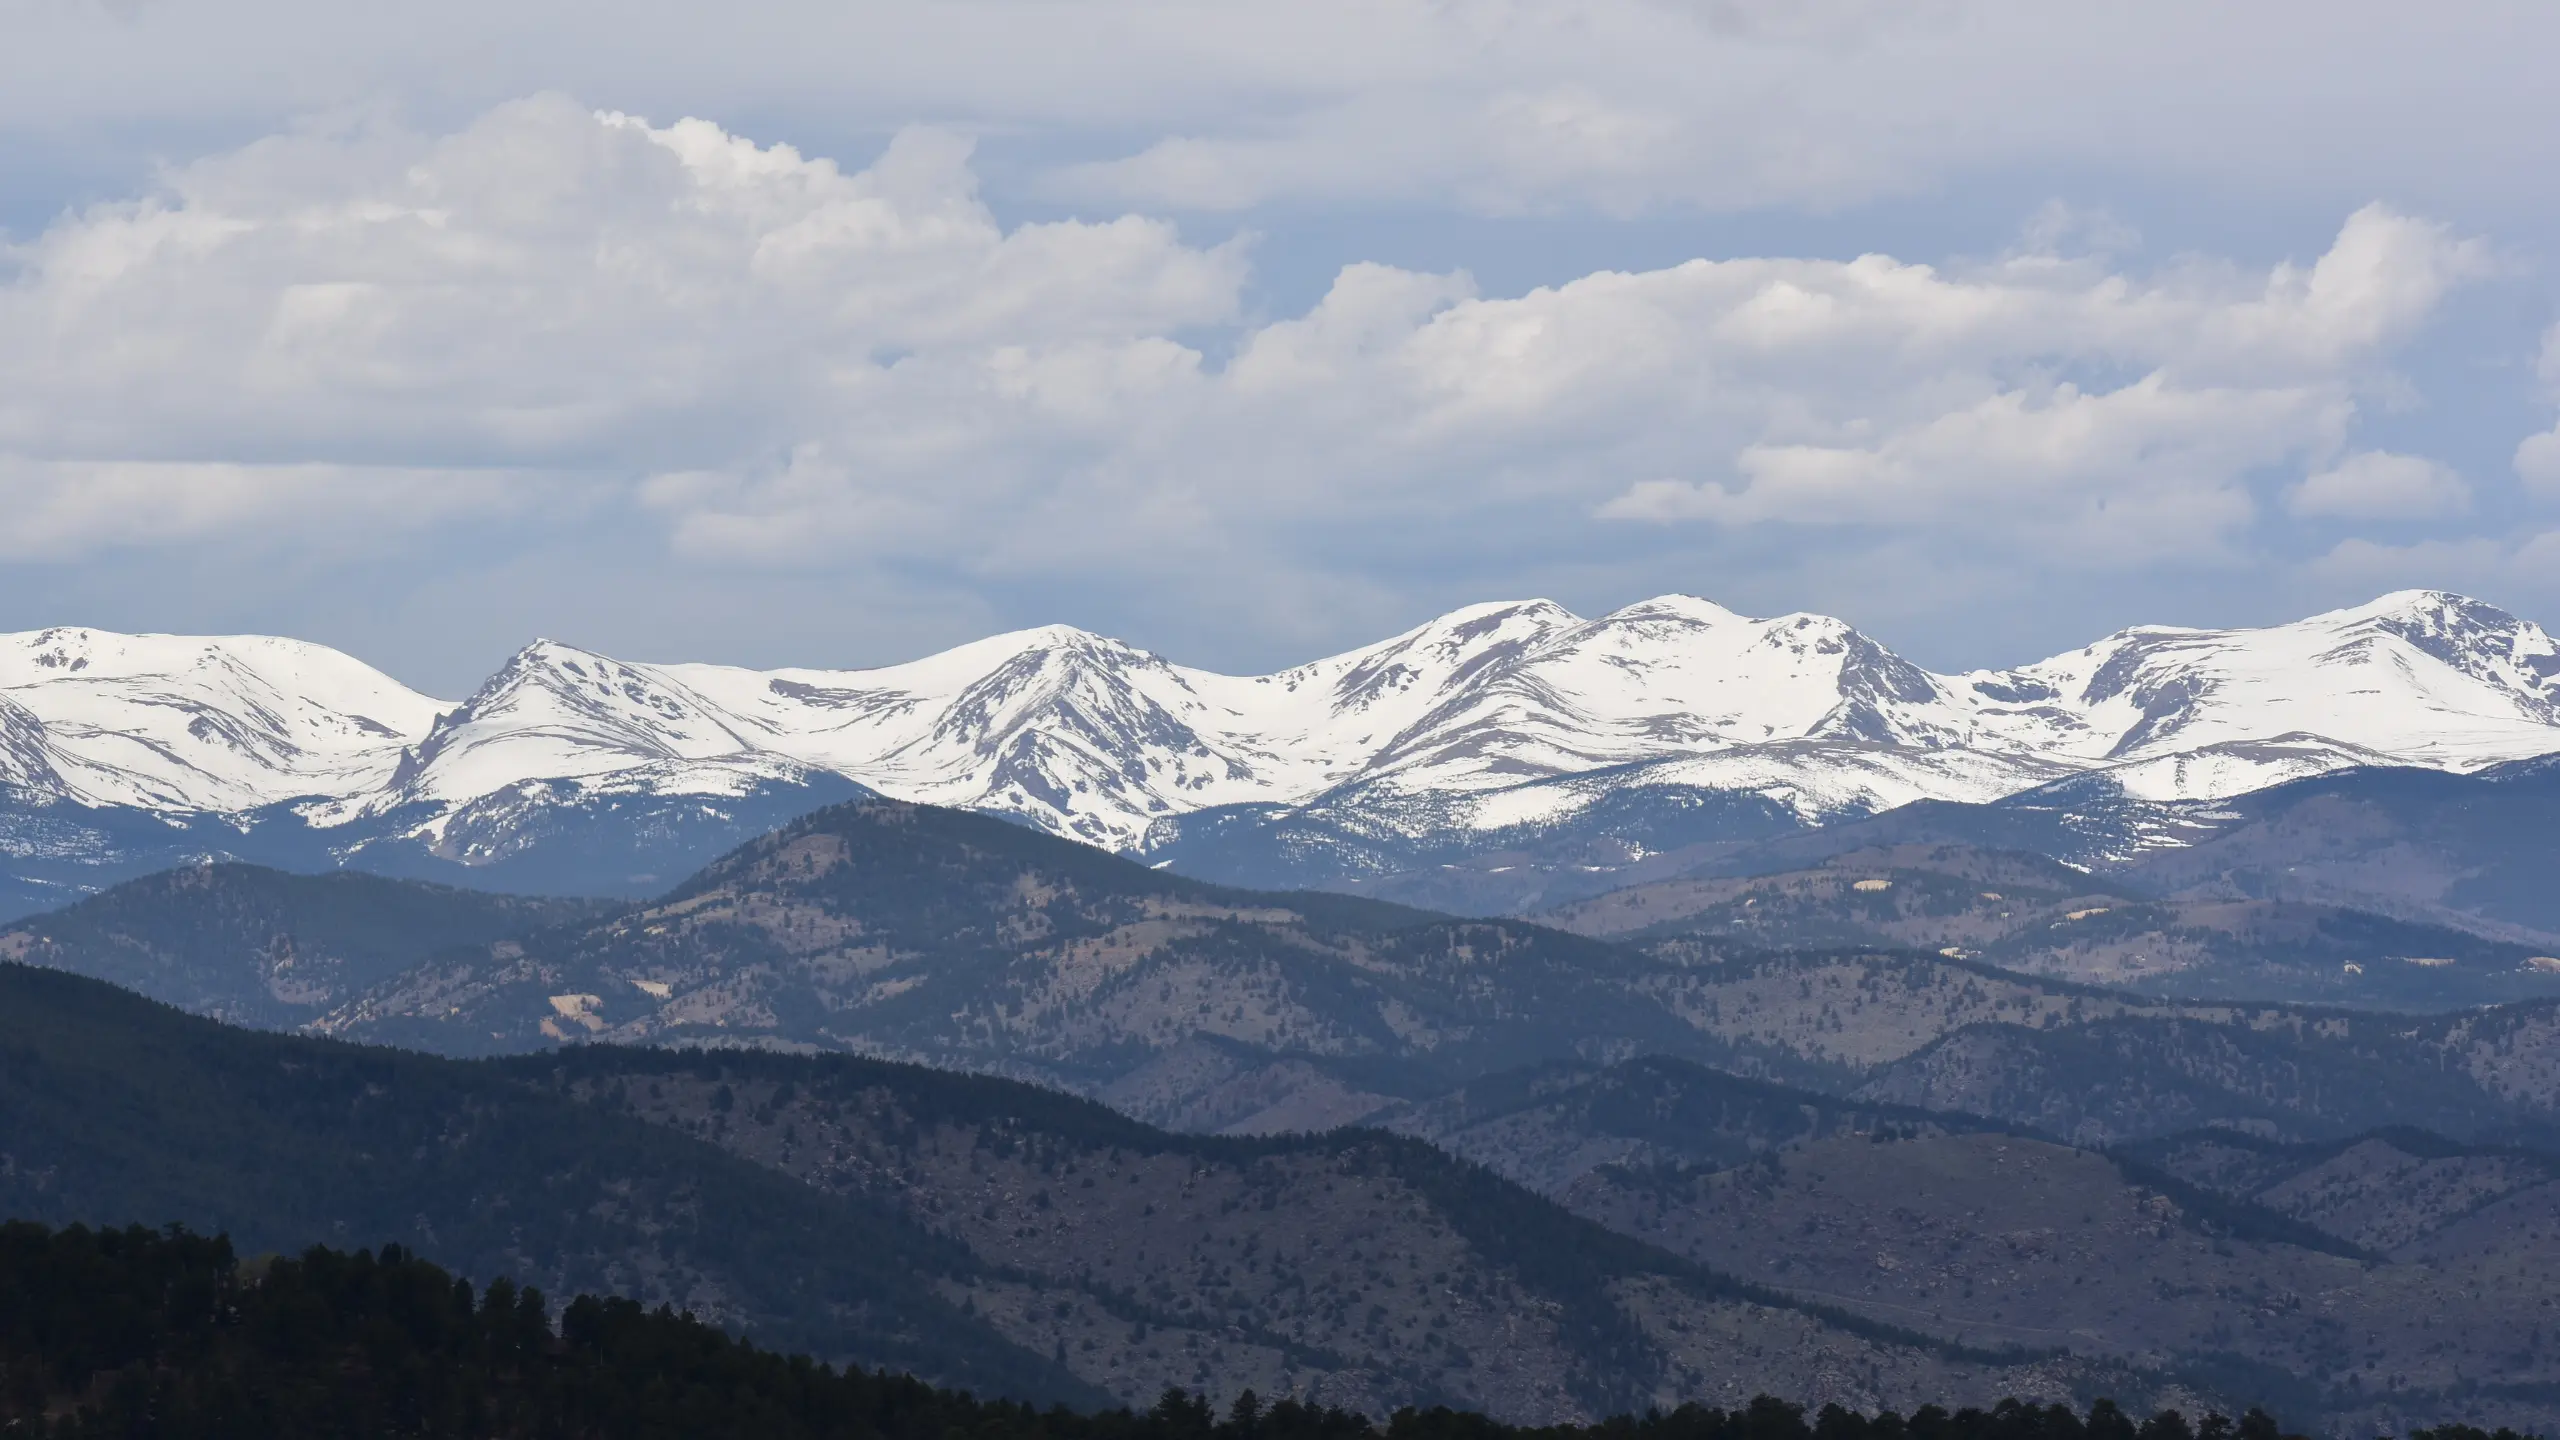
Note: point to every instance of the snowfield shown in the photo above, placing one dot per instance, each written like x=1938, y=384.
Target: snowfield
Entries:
x=1499, y=715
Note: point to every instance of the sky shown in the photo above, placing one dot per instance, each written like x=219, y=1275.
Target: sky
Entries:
x=1248, y=331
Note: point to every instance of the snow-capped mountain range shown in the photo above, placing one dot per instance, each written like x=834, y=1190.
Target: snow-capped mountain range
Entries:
x=1484, y=720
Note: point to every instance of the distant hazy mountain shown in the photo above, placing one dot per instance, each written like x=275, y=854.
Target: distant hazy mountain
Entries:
x=1577, y=742
x=2473, y=852
x=2024, y=912
x=936, y=935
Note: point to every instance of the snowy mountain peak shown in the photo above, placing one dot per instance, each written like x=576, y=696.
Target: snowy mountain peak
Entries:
x=2478, y=640
x=1045, y=639
x=556, y=712
x=1688, y=609
x=1089, y=736
x=2431, y=677
x=1402, y=679
x=2413, y=605
x=201, y=723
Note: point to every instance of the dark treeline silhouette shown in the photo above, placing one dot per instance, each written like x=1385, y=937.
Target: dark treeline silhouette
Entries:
x=137, y=1332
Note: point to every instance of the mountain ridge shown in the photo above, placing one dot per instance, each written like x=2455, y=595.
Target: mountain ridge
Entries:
x=959, y=940
x=1494, y=725
x=967, y=1228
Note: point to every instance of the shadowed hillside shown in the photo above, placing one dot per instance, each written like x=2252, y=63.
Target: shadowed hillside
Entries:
x=1016, y=1240
x=132, y=1332
x=266, y=948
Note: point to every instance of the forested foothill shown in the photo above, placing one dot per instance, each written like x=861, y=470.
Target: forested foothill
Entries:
x=164, y=1333
x=1368, y=1157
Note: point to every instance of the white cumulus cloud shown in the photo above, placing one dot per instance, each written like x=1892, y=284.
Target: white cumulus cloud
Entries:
x=2379, y=485
x=65, y=508
x=780, y=360
x=2521, y=570
x=2538, y=464
x=2538, y=457
x=556, y=290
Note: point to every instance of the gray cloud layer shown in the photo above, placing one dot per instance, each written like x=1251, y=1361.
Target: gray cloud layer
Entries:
x=574, y=353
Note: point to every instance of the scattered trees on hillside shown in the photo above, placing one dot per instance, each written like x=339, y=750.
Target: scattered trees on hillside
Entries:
x=143, y=1333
